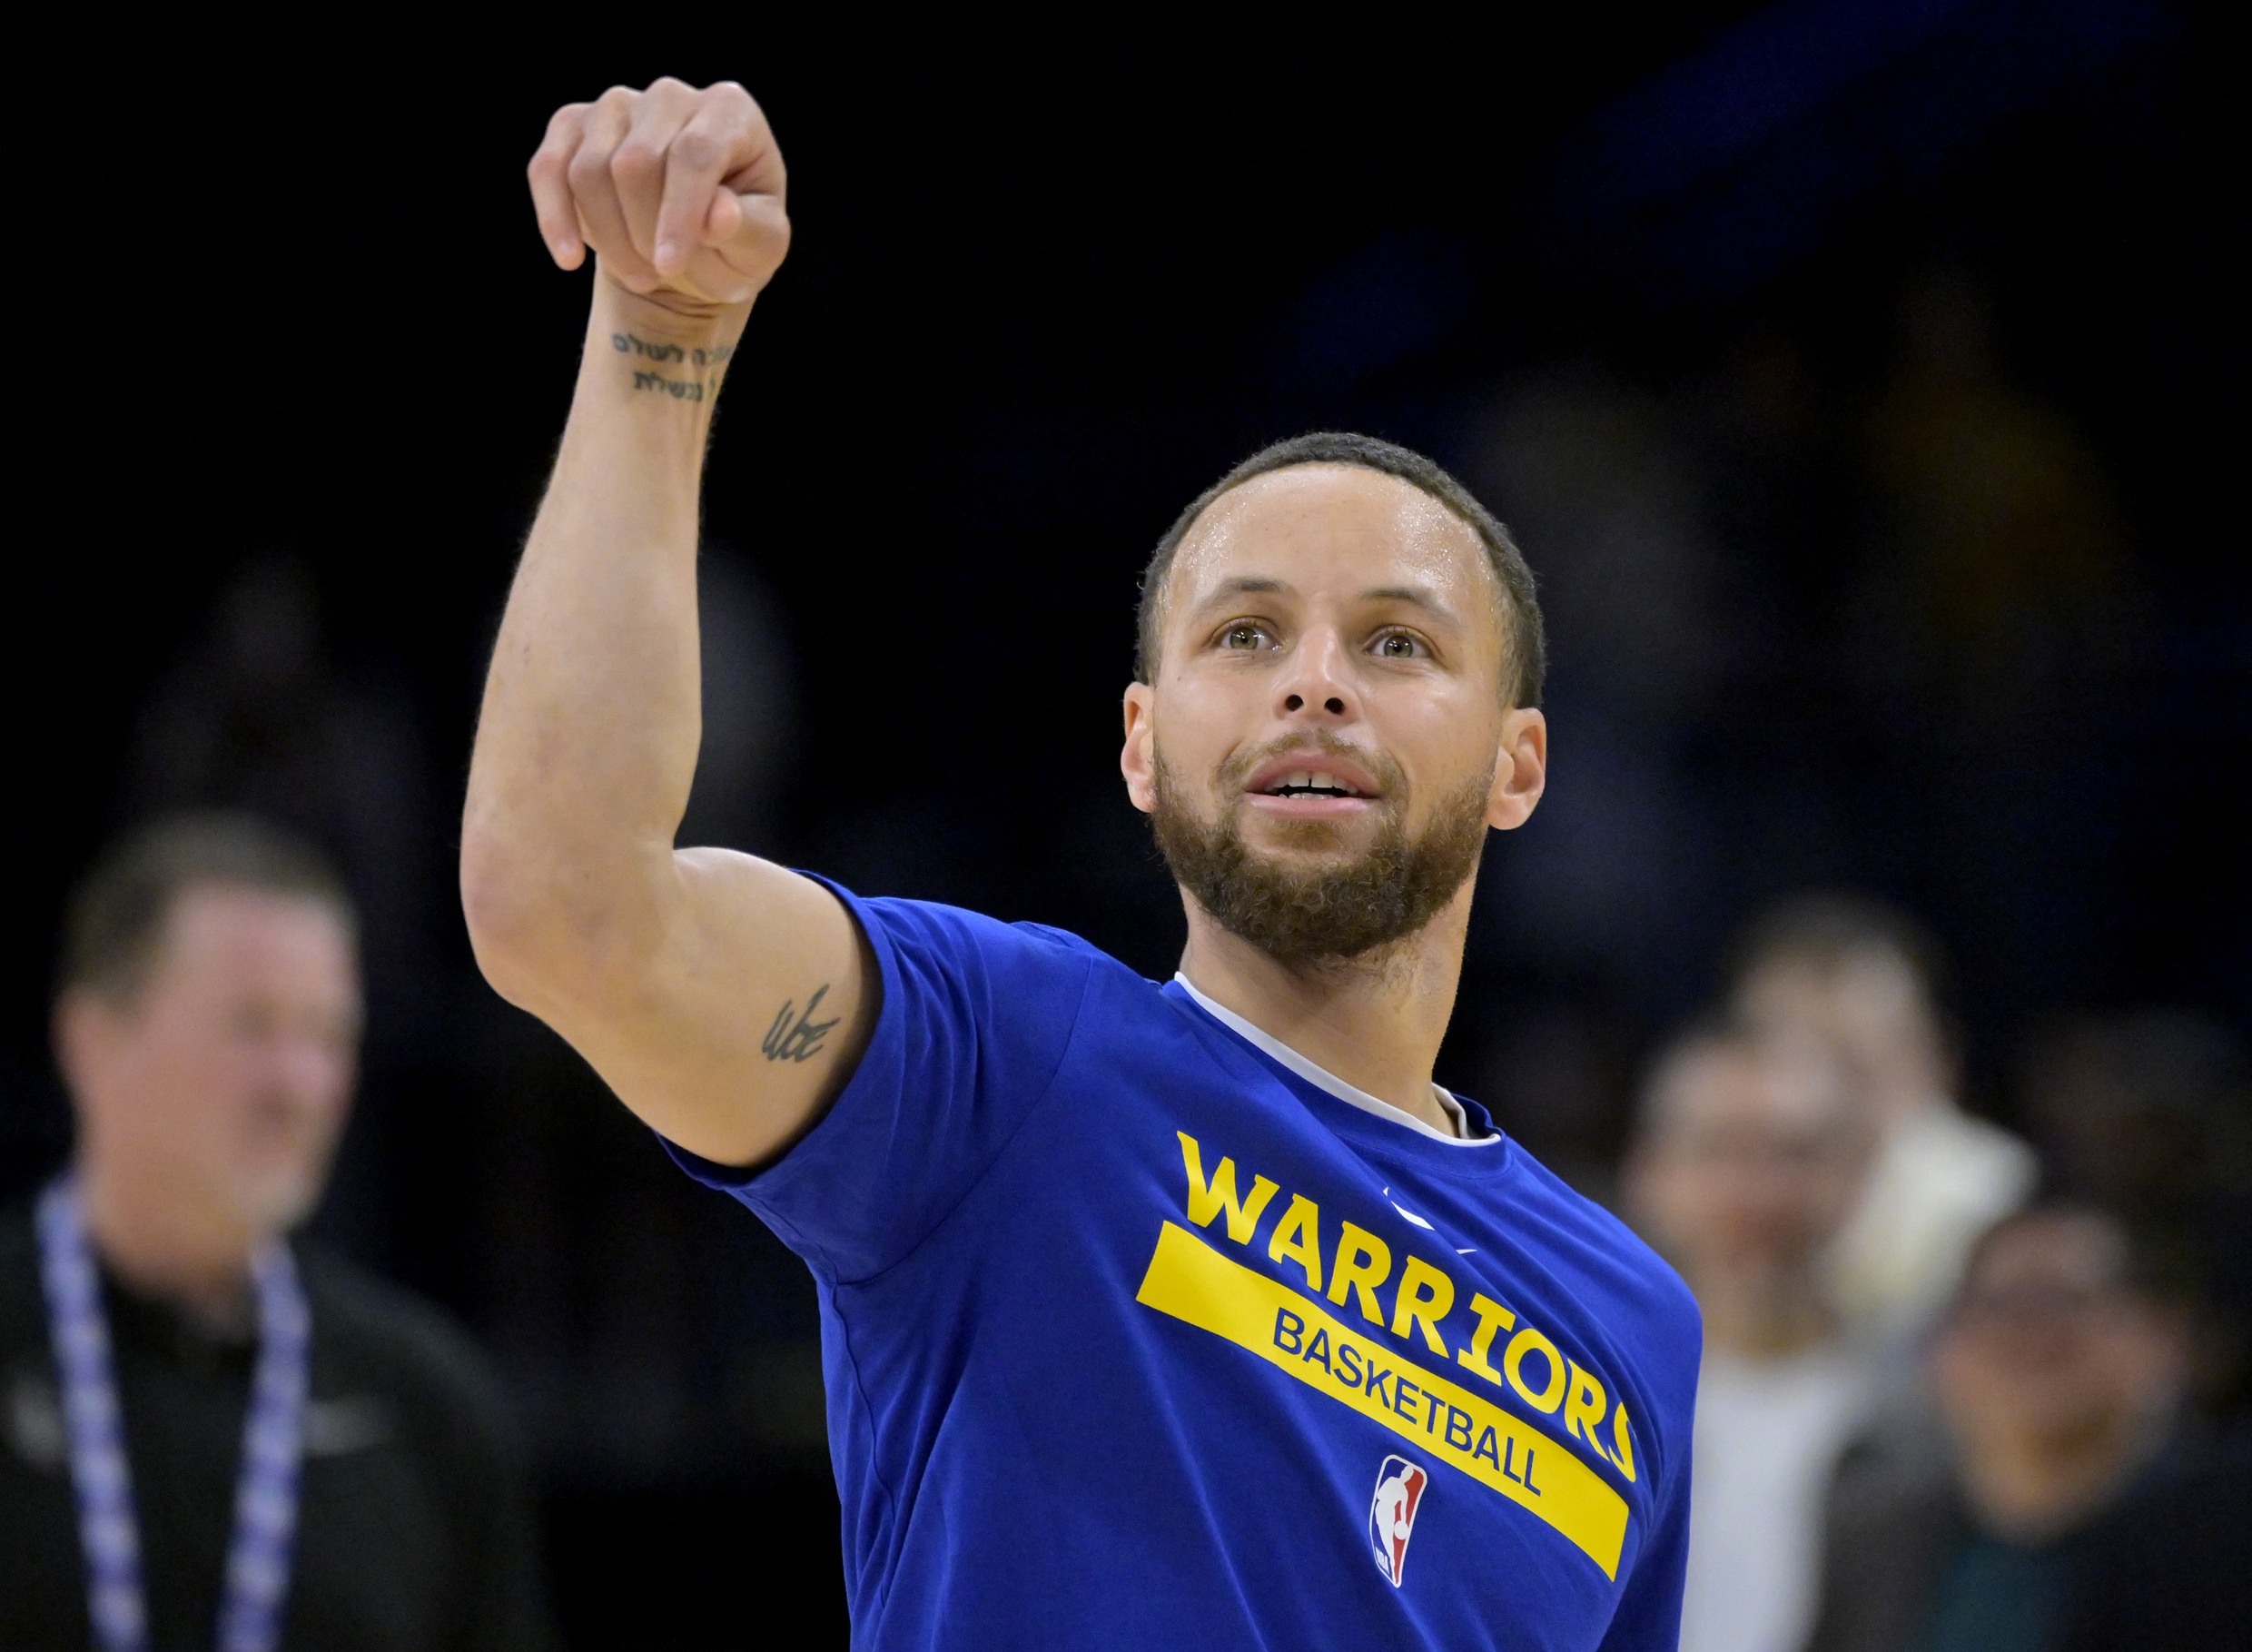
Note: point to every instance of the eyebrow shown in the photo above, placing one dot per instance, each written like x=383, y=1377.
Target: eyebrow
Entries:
x=1242, y=585
x=1415, y=595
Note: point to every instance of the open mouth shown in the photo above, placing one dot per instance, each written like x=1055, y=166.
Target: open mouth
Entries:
x=1312, y=783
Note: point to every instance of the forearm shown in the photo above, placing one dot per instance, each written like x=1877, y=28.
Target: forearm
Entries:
x=586, y=743
x=667, y=971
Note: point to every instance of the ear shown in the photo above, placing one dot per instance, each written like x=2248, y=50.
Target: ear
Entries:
x=85, y=1031
x=1138, y=760
x=1520, y=769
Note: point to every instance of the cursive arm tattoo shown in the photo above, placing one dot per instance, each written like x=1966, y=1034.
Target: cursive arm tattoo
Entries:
x=795, y=1035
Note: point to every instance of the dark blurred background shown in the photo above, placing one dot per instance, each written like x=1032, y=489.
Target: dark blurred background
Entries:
x=1865, y=380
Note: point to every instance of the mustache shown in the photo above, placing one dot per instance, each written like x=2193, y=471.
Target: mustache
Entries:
x=1305, y=917
x=1393, y=783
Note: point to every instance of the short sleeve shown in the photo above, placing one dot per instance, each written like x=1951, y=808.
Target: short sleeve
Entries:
x=976, y=1015
x=1648, y=1619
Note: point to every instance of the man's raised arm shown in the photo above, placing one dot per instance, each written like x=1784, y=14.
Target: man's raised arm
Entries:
x=722, y=997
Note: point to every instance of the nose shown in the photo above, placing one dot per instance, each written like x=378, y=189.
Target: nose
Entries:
x=1315, y=680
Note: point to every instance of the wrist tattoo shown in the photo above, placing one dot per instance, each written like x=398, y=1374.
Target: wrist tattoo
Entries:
x=697, y=388
x=679, y=389
x=795, y=1035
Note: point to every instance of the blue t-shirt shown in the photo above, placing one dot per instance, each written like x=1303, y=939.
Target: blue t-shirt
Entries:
x=1137, y=1336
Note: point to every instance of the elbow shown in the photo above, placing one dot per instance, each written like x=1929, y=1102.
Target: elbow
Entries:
x=504, y=916
x=549, y=933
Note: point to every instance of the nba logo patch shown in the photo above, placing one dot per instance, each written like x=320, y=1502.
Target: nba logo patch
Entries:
x=1392, y=1514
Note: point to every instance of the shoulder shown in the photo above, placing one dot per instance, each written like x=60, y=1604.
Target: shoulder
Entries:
x=2164, y=1569
x=19, y=1242
x=1615, y=1263
x=1894, y=1476
x=1890, y=1518
x=1633, y=1311
x=963, y=966
x=373, y=1333
x=930, y=929
x=1948, y=1151
x=23, y=1307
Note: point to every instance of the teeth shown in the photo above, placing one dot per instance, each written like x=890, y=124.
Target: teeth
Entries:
x=1312, y=780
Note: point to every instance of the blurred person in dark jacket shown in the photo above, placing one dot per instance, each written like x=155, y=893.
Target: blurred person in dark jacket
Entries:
x=1862, y=978
x=2059, y=1502
x=210, y=1434
x=1745, y=1164
x=2149, y=1113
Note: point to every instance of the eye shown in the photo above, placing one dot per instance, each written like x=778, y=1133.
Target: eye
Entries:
x=1244, y=637
x=1399, y=645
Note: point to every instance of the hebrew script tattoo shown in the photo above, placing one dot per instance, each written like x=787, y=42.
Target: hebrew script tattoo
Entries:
x=691, y=387
x=795, y=1035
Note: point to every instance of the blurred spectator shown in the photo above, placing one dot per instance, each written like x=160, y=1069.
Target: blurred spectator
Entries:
x=1860, y=978
x=2023, y=1525
x=1746, y=1164
x=169, y=1359
x=255, y=717
x=2150, y=1113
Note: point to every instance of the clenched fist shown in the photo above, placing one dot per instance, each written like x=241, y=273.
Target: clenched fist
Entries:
x=679, y=191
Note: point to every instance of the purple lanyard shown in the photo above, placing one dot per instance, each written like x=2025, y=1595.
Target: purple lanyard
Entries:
x=273, y=1433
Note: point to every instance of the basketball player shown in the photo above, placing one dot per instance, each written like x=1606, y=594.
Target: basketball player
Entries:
x=1181, y=1315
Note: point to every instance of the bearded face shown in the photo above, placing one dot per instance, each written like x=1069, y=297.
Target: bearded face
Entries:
x=1331, y=653
x=1311, y=899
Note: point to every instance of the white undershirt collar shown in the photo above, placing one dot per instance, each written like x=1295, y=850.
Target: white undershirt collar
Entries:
x=1323, y=1079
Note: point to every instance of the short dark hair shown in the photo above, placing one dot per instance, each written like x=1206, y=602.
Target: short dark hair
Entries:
x=1830, y=929
x=2147, y=1267
x=113, y=927
x=1527, y=662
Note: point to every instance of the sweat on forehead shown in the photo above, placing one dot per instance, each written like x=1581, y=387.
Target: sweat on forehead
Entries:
x=1287, y=525
x=1222, y=506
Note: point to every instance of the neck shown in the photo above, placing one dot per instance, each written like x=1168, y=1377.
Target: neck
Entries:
x=1376, y=1022
x=2036, y=1486
x=166, y=1243
x=1770, y=1314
